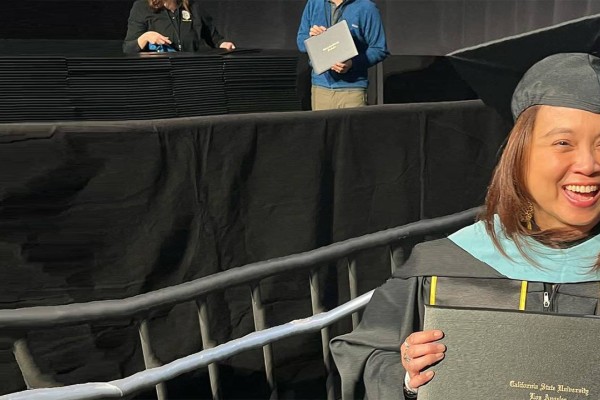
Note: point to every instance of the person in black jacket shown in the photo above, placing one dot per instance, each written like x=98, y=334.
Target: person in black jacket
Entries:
x=171, y=25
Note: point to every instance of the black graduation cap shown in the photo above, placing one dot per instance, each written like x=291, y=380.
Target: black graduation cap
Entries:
x=494, y=69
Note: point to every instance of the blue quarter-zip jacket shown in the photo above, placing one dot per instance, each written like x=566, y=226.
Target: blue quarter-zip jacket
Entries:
x=365, y=25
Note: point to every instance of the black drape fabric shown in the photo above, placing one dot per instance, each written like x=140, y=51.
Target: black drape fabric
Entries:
x=421, y=27
x=107, y=210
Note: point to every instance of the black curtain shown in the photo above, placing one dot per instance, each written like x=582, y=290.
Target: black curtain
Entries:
x=422, y=27
x=108, y=210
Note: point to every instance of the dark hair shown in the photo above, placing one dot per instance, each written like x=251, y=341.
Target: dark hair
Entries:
x=508, y=196
x=158, y=5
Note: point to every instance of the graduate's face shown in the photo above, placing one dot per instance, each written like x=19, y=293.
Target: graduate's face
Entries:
x=563, y=171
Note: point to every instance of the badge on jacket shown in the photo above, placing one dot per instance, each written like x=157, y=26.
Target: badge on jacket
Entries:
x=186, y=15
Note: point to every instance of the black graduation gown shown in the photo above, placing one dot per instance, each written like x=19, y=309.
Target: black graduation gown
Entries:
x=368, y=358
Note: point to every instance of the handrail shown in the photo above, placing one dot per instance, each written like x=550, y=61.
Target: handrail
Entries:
x=79, y=313
x=150, y=377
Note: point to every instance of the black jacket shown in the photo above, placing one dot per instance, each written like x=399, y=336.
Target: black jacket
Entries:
x=194, y=31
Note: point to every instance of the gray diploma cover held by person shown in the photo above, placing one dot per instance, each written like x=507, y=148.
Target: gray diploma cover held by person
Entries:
x=501, y=354
x=330, y=47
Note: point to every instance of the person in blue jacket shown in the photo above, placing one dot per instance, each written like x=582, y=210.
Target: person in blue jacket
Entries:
x=345, y=85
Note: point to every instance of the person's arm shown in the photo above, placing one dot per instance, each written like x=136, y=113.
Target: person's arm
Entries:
x=211, y=35
x=136, y=27
x=304, y=28
x=375, y=37
x=368, y=358
x=375, y=358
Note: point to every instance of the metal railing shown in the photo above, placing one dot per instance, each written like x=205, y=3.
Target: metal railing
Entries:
x=140, y=306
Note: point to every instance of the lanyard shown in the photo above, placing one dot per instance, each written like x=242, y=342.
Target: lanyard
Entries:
x=177, y=28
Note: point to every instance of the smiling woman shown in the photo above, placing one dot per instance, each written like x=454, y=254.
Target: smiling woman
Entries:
x=546, y=183
x=563, y=172
x=535, y=248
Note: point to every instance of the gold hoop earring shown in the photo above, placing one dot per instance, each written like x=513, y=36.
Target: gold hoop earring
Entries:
x=527, y=215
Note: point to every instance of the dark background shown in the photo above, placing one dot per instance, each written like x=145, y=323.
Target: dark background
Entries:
x=107, y=210
x=431, y=27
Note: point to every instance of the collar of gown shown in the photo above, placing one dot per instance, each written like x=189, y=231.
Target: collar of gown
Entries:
x=568, y=265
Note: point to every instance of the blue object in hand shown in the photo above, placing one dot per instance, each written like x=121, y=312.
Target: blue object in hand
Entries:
x=161, y=48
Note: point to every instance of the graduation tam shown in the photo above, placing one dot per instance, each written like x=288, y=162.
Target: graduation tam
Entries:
x=564, y=80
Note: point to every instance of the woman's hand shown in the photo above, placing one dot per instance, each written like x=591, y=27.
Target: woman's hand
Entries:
x=227, y=46
x=420, y=351
x=316, y=30
x=153, y=38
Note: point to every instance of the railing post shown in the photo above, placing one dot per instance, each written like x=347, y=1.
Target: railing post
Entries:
x=33, y=377
x=353, y=284
x=392, y=261
x=317, y=307
x=258, y=313
x=150, y=360
x=207, y=343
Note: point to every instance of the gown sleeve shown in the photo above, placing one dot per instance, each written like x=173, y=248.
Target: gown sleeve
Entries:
x=368, y=358
x=136, y=27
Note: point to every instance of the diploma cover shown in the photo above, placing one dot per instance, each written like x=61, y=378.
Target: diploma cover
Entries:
x=332, y=46
x=510, y=355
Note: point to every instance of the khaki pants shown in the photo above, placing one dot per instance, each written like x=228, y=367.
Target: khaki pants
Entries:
x=328, y=99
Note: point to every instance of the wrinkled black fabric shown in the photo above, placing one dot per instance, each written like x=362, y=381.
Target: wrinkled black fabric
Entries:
x=108, y=210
